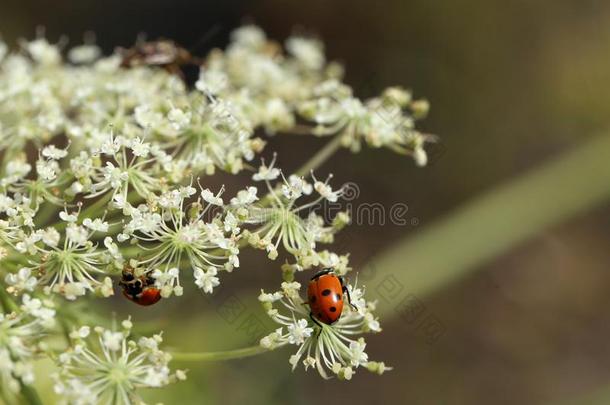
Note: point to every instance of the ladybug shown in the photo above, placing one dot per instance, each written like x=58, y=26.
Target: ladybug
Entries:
x=140, y=290
x=325, y=297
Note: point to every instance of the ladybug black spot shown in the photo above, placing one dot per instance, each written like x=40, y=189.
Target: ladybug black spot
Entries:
x=338, y=297
x=333, y=309
x=326, y=292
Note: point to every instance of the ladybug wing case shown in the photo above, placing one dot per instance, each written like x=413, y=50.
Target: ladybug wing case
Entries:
x=325, y=301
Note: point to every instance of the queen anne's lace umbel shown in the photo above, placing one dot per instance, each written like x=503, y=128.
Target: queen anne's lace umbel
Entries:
x=104, y=167
x=107, y=366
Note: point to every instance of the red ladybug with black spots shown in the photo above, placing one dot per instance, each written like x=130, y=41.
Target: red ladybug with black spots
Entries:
x=325, y=297
x=140, y=290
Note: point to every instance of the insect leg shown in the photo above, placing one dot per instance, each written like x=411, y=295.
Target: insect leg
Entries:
x=346, y=292
x=316, y=322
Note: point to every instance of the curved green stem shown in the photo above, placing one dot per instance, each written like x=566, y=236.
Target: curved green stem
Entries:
x=89, y=212
x=496, y=222
x=218, y=356
x=93, y=209
x=45, y=213
x=30, y=395
x=316, y=161
x=8, y=305
x=320, y=157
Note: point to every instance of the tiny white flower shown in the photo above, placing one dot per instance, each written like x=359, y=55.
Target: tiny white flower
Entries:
x=43, y=52
x=359, y=356
x=139, y=148
x=110, y=145
x=96, y=224
x=249, y=35
x=231, y=223
x=420, y=156
x=76, y=234
x=84, y=54
x=211, y=81
x=206, y=280
x=267, y=172
x=112, y=340
x=269, y=297
x=64, y=216
x=21, y=281
x=50, y=237
x=326, y=191
x=52, y=152
x=245, y=197
x=210, y=198
x=179, y=118
x=72, y=290
x=298, y=332
x=307, y=51
x=81, y=332
x=106, y=288
x=273, y=340
x=309, y=362
x=47, y=169
x=112, y=247
x=295, y=187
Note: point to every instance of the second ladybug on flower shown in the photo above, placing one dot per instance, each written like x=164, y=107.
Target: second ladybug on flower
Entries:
x=139, y=288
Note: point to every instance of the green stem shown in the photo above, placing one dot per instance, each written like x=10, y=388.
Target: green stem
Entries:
x=93, y=210
x=7, y=301
x=320, y=157
x=218, y=356
x=30, y=395
x=45, y=213
x=134, y=199
x=496, y=222
x=89, y=212
x=316, y=161
x=594, y=396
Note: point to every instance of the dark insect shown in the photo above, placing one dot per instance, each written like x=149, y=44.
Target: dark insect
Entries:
x=325, y=296
x=140, y=290
x=162, y=53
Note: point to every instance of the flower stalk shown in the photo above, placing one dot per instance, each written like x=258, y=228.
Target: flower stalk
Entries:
x=218, y=356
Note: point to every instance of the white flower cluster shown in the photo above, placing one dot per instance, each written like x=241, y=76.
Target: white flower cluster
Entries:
x=322, y=346
x=118, y=145
x=98, y=162
x=168, y=233
x=21, y=332
x=280, y=221
x=107, y=366
x=275, y=89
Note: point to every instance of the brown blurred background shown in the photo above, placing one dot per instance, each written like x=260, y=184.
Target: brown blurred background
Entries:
x=511, y=83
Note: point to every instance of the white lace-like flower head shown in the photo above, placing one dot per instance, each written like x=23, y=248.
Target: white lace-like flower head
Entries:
x=109, y=366
x=21, y=333
x=326, y=347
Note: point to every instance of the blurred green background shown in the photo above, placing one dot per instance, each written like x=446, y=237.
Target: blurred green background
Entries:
x=512, y=84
